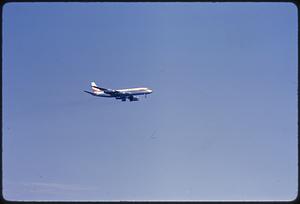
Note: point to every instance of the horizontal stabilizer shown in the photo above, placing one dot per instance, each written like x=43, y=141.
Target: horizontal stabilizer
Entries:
x=90, y=93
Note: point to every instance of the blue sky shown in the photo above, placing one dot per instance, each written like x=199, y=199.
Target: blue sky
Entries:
x=221, y=123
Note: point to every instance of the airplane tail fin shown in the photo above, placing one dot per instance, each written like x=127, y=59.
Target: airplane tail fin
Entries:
x=95, y=88
x=93, y=84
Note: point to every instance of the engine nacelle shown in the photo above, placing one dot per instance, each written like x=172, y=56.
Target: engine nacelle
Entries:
x=131, y=98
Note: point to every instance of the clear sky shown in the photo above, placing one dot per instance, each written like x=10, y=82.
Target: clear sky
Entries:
x=221, y=123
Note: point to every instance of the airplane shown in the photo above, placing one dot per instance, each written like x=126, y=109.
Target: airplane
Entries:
x=121, y=94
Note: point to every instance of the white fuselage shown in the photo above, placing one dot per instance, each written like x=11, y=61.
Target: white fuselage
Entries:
x=130, y=91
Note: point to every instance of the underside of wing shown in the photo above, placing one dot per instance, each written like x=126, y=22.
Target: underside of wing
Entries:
x=112, y=92
x=116, y=93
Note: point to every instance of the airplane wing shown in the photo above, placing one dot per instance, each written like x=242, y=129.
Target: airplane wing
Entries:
x=111, y=91
x=107, y=91
x=114, y=92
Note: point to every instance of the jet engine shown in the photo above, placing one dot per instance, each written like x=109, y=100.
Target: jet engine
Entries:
x=132, y=98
